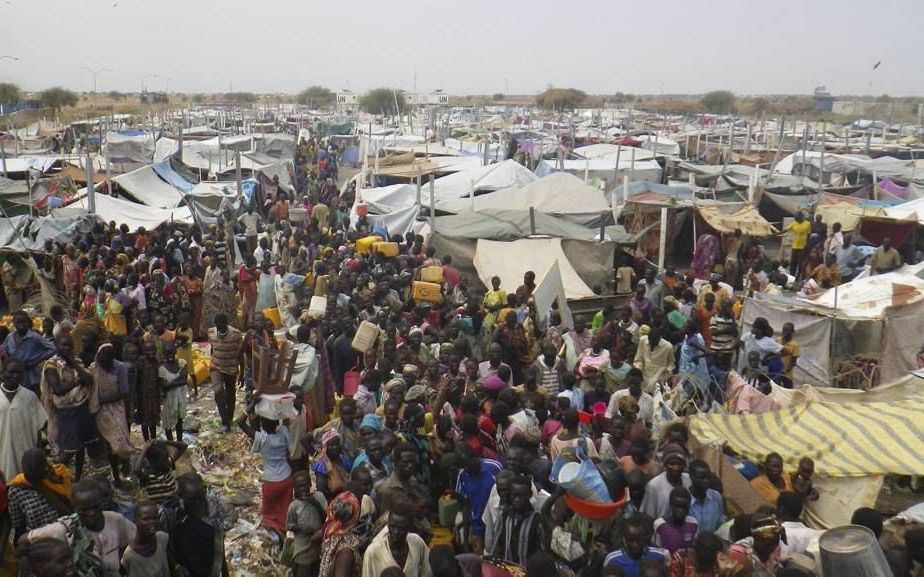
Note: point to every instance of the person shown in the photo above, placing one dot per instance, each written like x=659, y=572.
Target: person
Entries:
x=154, y=470
x=197, y=541
x=148, y=392
x=715, y=288
x=789, y=354
x=849, y=260
x=494, y=300
x=397, y=546
x=834, y=242
x=407, y=460
x=173, y=375
x=146, y=555
x=304, y=519
x=677, y=529
x=251, y=221
x=39, y=495
x=774, y=480
x=640, y=459
x=473, y=489
x=47, y=558
x=724, y=331
x=762, y=548
x=110, y=387
x=340, y=552
x=692, y=361
x=800, y=229
x=657, y=493
x=654, y=288
x=227, y=345
x=524, y=292
x=885, y=259
x=519, y=532
x=96, y=537
x=640, y=305
x=827, y=275
x=28, y=347
x=702, y=560
x=66, y=388
x=331, y=465
x=760, y=340
x=706, y=505
x=22, y=419
x=637, y=533
x=271, y=442
x=570, y=437
x=643, y=402
x=498, y=500
x=655, y=358
x=799, y=538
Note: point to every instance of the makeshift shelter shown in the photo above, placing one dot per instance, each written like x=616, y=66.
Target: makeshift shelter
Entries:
x=559, y=194
x=123, y=211
x=506, y=174
x=511, y=260
x=604, y=169
x=147, y=187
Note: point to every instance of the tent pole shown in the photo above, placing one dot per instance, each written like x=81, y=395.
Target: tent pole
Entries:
x=662, y=246
x=433, y=208
x=91, y=190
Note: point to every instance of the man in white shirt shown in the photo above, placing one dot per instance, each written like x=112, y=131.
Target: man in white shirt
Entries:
x=799, y=538
x=251, y=222
x=396, y=546
x=835, y=242
x=634, y=388
x=106, y=532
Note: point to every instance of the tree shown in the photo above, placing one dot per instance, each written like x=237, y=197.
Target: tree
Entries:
x=382, y=101
x=315, y=96
x=718, y=101
x=497, y=97
x=57, y=98
x=561, y=98
x=9, y=93
x=115, y=95
x=241, y=97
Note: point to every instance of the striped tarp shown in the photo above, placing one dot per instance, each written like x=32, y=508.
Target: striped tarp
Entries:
x=845, y=440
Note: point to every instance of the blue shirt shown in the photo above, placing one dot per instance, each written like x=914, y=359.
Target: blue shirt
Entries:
x=477, y=490
x=710, y=512
x=31, y=350
x=630, y=567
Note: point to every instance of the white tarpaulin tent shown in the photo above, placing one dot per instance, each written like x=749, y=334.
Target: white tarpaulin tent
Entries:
x=559, y=194
x=135, y=148
x=145, y=186
x=124, y=211
x=612, y=151
x=870, y=297
x=913, y=209
x=506, y=174
x=604, y=168
x=511, y=260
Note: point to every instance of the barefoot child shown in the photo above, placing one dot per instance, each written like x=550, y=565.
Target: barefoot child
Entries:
x=304, y=519
x=172, y=374
x=184, y=340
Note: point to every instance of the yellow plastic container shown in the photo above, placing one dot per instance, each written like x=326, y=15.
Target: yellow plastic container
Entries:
x=273, y=316
x=432, y=274
x=365, y=336
x=364, y=245
x=387, y=249
x=427, y=292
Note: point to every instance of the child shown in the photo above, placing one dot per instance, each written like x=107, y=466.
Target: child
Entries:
x=148, y=405
x=172, y=375
x=159, y=335
x=147, y=554
x=154, y=470
x=304, y=519
x=130, y=360
x=271, y=441
x=802, y=483
x=677, y=530
x=184, y=340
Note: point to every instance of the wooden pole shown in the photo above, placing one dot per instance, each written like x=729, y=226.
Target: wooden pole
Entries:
x=433, y=208
x=662, y=244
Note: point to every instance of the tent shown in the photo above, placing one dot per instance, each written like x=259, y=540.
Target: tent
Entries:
x=29, y=233
x=510, y=225
x=604, y=169
x=728, y=218
x=148, y=188
x=506, y=174
x=129, y=147
x=560, y=194
x=511, y=260
x=124, y=211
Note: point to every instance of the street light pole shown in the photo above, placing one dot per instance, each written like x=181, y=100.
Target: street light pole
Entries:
x=95, y=73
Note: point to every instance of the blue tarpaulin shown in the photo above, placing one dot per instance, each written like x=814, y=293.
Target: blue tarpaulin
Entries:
x=165, y=171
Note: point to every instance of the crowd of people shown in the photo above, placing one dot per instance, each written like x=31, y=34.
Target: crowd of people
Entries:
x=432, y=451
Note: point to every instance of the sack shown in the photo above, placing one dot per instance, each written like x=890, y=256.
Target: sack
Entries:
x=489, y=569
x=351, y=380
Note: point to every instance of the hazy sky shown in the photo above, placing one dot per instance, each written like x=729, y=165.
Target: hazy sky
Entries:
x=472, y=46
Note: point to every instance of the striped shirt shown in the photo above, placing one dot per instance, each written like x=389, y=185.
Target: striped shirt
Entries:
x=225, y=350
x=549, y=378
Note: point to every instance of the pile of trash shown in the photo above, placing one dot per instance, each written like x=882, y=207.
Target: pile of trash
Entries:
x=232, y=473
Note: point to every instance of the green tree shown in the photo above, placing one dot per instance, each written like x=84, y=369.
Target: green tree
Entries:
x=9, y=93
x=718, y=101
x=57, y=98
x=315, y=96
x=382, y=101
x=115, y=95
x=498, y=97
x=561, y=98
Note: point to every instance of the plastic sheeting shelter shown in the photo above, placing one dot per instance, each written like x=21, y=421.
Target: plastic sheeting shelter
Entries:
x=728, y=218
x=506, y=174
x=127, y=212
x=511, y=260
x=844, y=439
x=560, y=194
x=148, y=188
